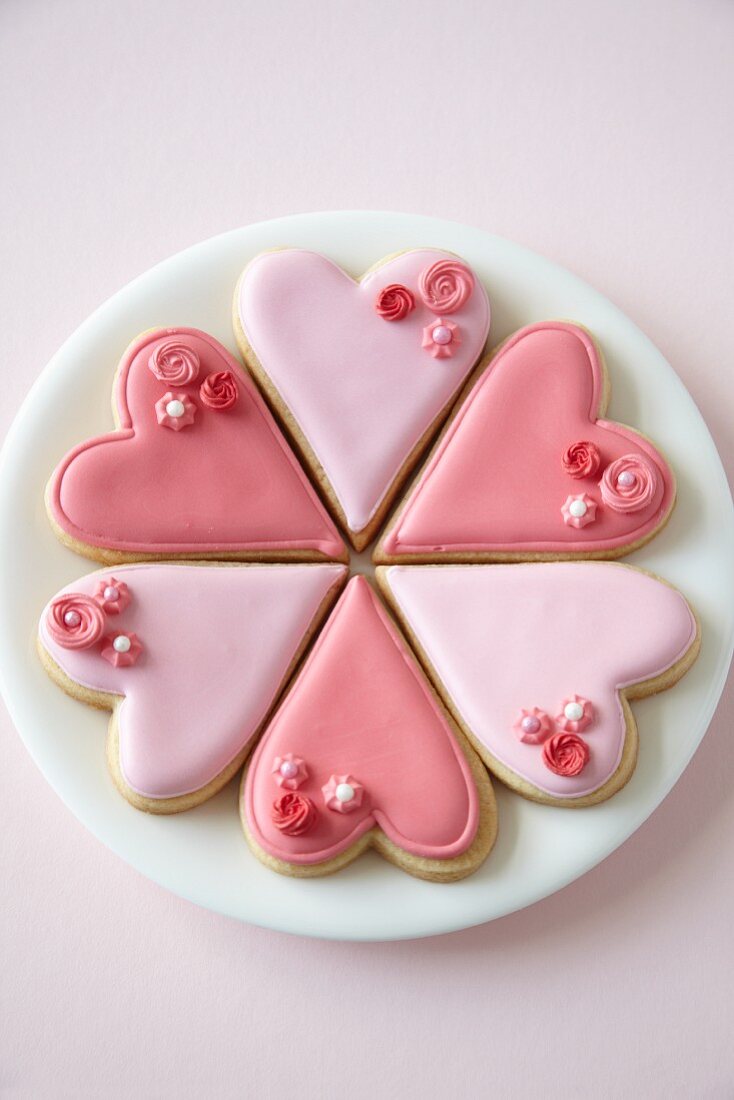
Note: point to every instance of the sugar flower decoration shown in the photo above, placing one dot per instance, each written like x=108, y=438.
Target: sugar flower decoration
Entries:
x=75, y=621
x=394, y=302
x=579, y=510
x=566, y=754
x=175, y=410
x=121, y=650
x=219, y=390
x=293, y=813
x=533, y=726
x=174, y=363
x=576, y=715
x=445, y=286
x=289, y=771
x=629, y=484
x=581, y=459
x=441, y=337
x=343, y=793
x=112, y=595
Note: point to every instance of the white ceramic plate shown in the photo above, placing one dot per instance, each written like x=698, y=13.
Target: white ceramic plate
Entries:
x=202, y=854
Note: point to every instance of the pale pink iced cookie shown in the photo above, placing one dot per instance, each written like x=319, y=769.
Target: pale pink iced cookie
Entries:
x=197, y=467
x=363, y=372
x=190, y=660
x=538, y=663
x=361, y=754
x=527, y=469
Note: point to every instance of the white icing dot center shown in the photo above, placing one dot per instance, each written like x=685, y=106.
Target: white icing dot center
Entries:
x=121, y=644
x=344, y=792
x=573, y=711
x=175, y=409
x=578, y=508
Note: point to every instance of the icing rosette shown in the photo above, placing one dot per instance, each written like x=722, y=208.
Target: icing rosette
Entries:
x=121, y=650
x=394, y=302
x=294, y=813
x=581, y=459
x=75, y=621
x=219, y=390
x=289, y=771
x=175, y=410
x=343, y=793
x=441, y=337
x=566, y=754
x=533, y=726
x=629, y=484
x=576, y=715
x=445, y=286
x=113, y=596
x=578, y=510
x=174, y=363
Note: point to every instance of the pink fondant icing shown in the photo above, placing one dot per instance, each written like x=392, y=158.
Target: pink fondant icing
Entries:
x=361, y=708
x=362, y=391
x=218, y=641
x=499, y=635
x=495, y=483
x=225, y=483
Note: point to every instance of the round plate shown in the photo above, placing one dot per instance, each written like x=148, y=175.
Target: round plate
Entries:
x=202, y=854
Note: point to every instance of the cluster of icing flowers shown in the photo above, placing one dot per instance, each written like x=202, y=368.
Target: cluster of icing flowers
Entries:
x=629, y=484
x=176, y=364
x=293, y=812
x=77, y=621
x=564, y=752
x=444, y=287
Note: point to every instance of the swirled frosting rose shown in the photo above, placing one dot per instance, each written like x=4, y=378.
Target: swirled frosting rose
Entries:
x=75, y=621
x=566, y=754
x=581, y=459
x=394, y=302
x=629, y=484
x=174, y=363
x=219, y=390
x=294, y=813
x=445, y=286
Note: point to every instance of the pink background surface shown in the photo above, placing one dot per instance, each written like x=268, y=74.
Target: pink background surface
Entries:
x=598, y=134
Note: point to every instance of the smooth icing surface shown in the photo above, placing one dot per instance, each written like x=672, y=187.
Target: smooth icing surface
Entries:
x=507, y=637
x=500, y=476
x=362, y=388
x=217, y=643
x=227, y=480
x=361, y=715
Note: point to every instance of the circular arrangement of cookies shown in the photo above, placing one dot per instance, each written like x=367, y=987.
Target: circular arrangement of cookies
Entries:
x=499, y=638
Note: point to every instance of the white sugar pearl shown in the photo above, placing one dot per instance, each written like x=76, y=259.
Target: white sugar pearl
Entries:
x=344, y=792
x=175, y=409
x=121, y=643
x=573, y=711
x=578, y=508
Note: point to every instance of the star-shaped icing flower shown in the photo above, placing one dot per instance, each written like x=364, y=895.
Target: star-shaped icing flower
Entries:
x=579, y=510
x=533, y=726
x=441, y=337
x=175, y=410
x=289, y=771
x=121, y=649
x=343, y=793
x=576, y=715
x=112, y=595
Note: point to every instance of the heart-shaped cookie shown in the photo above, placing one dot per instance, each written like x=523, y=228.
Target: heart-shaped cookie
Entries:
x=362, y=753
x=361, y=373
x=538, y=662
x=527, y=469
x=197, y=468
x=189, y=658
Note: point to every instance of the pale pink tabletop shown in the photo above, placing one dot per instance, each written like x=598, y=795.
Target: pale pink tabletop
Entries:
x=599, y=134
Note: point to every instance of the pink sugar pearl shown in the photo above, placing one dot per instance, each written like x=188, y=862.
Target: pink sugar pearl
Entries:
x=72, y=618
x=441, y=335
x=530, y=724
x=288, y=769
x=626, y=479
x=111, y=593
